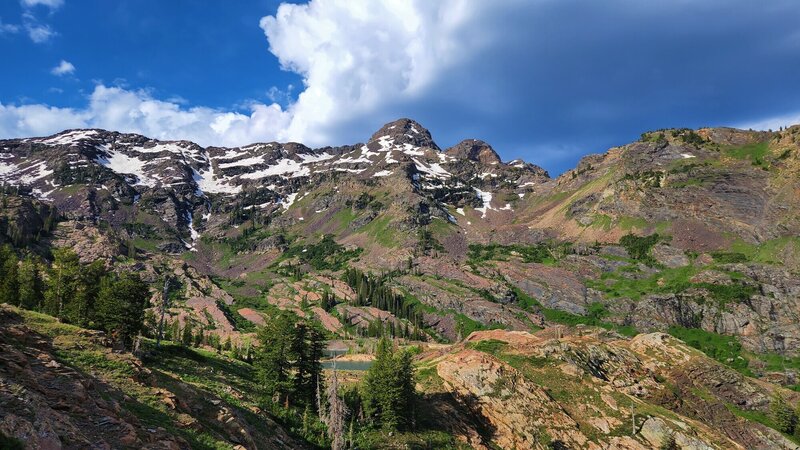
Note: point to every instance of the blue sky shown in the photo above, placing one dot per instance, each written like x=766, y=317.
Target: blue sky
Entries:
x=545, y=80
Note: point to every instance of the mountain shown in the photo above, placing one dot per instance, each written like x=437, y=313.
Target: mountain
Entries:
x=693, y=233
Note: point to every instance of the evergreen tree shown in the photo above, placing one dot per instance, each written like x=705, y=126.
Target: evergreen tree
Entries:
x=131, y=249
x=274, y=356
x=199, y=338
x=30, y=283
x=62, y=281
x=9, y=278
x=187, y=336
x=79, y=309
x=213, y=341
x=315, y=348
x=389, y=388
x=120, y=306
x=299, y=349
x=782, y=414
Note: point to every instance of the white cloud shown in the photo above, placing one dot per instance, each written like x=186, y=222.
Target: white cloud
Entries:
x=37, y=31
x=7, y=28
x=772, y=123
x=119, y=109
x=63, y=68
x=357, y=55
x=52, y=4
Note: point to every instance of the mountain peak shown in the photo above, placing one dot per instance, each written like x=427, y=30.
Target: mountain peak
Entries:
x=474, y=150
x=405, y=131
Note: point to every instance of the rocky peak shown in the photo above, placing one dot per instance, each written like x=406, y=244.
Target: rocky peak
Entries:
x=521, y=164
x=403, y=131
x=474, y=150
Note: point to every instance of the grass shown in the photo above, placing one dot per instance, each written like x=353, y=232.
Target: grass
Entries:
x=594, y=317
x=756, y=153
x=768, y=252
x=195, y=376
x=725, y=349
x=343, y=218
x=382, y=232
x=602, y=221
x=490, y=346
x=418, y=440
x=628, y=223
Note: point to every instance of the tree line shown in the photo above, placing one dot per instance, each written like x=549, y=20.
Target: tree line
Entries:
x=372, y=290
x=86, y=295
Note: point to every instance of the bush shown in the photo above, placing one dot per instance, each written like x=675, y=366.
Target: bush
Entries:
x=639, y=247
x=729, y=257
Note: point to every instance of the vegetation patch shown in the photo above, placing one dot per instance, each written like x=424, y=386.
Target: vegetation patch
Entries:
x=327, y=254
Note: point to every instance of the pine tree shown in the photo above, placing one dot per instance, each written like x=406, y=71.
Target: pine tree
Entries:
x=187, y=336
x=9, y=278
x=782, y=414
x=316, y=346
x=120, y=306
x=299, y=348
x=62, y=281
x=30, y=283
x=131, y=249
x=273, y=357
x=199, y=337
x=79, y=309
x=389, y=388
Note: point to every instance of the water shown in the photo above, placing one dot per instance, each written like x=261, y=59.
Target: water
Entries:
x=347, y=365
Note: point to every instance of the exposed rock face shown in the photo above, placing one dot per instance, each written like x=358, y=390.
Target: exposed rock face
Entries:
x=576, y=390
x=403, y=131
x=474, y=150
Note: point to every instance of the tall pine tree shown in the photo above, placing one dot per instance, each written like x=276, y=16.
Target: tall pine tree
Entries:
x=120, y=306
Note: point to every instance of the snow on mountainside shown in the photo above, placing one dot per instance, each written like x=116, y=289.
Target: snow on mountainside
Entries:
x=130, y=166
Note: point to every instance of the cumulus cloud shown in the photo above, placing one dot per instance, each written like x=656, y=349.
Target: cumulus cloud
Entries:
x=358, y=55
x=63, y=68
x=137, y=111
x=354, y=56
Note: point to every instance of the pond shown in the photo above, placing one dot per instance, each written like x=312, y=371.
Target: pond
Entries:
x=347, y=365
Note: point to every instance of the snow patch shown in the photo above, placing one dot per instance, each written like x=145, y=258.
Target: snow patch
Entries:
x=207, y=182
x=282, y=167
x=70, y=137
x=486, y=198
x=121, y=163
x=289, y=200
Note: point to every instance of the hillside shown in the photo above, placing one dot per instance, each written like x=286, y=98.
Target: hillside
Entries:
x=499, y=272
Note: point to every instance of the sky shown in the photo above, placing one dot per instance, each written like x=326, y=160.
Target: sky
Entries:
x=548, y=81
